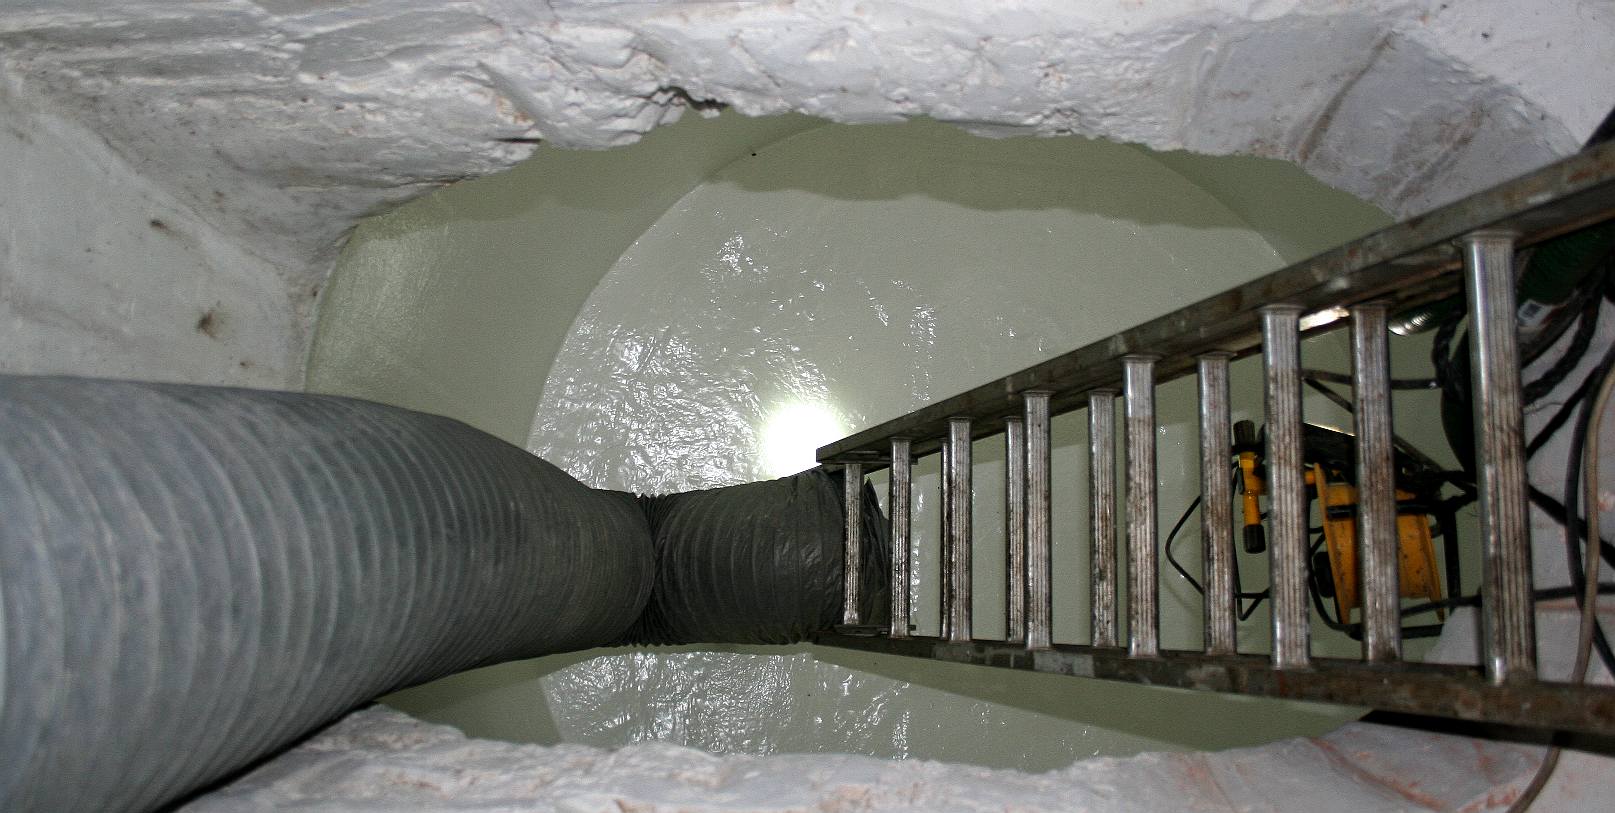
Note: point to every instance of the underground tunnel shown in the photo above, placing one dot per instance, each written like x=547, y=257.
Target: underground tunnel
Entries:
x=673, y=249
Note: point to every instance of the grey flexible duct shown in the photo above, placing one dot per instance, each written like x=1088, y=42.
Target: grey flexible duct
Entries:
x=192, y=578
x=758, y=563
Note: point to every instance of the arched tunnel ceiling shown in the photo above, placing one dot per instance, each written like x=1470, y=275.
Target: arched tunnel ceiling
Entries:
x=284, y=121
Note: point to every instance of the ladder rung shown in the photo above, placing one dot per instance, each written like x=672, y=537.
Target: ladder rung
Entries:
x=1287, y=502
x=1378, y=547
x=1507, y=622
x=956, y=530
x=1216, y=505
x=1143, y=577
x=1039, y=518
x=853, y=556
x=1014, y=531
x=900, y=503
x=1102, y=515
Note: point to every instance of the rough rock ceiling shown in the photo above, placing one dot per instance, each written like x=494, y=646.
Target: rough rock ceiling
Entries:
x=283, y=121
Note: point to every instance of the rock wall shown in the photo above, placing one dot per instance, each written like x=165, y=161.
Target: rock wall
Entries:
x=105, y=273
x=282, y=122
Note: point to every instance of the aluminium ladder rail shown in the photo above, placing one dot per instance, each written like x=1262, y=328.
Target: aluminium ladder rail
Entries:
x=1470, y=245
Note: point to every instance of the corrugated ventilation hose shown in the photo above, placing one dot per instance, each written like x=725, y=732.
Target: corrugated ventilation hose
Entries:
x=758, y=563
x=192, y=578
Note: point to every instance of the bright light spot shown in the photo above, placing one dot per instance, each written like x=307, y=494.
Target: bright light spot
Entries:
x=1323, y=317
x=793, y=434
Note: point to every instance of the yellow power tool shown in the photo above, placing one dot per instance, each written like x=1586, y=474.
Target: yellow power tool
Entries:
x=1330, y=478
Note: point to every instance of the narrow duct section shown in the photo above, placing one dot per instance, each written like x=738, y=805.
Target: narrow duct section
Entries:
x=196, y=577
x=758, y=563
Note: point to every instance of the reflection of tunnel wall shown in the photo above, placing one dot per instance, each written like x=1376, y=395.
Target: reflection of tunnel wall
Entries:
x=457, y=303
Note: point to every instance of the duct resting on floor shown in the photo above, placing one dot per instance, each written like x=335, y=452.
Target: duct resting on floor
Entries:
x=193, y=578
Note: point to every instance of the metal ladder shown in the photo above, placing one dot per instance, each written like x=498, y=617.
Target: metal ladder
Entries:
x=1468, y=244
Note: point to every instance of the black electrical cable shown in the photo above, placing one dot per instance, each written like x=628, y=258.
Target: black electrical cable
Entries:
x=1446, y=516
x=1323, y=613
x=1396, y=383
x=1556, y=511
x=1528, y=797
x=1452, y=384
x=1355, y=631
x=1172, y=559
x=1575, y=528
x=1256, y=598
x=1442, y=360
x=1173, y=535
x=1580, y=341
x=1339, y=400
x=1448, y=507
x=1543, y=594
x=1575, y=525
x=1568, y=514
x=1585, y=303
x=1401, y=444
x=1560, y=416
x=1585, y=295
x=1568, y=408
x=1246, y=613
x=1583, y=298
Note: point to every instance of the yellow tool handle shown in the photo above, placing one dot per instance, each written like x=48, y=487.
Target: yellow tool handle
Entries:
x=1255, y=537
